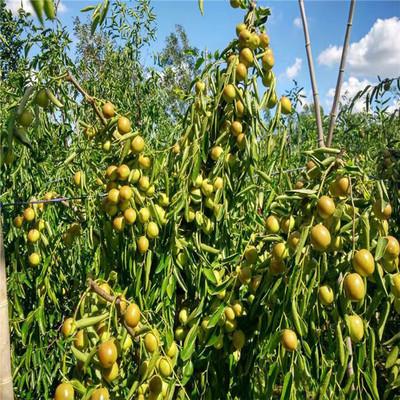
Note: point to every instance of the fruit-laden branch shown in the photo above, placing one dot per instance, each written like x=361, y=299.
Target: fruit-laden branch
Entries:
x=6, y=383
x=312, y=75
x=88, y=98
x=339, y=82
x=110, y=298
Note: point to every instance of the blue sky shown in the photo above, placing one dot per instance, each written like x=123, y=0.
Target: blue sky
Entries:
x=375, y=38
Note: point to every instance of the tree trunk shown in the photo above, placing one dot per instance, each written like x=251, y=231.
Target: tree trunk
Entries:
x=6, y=385
x=312, y=75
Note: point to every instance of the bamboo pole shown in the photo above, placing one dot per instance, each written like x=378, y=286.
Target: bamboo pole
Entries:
x=339, y=82
x=6, y=384
x=312, y=75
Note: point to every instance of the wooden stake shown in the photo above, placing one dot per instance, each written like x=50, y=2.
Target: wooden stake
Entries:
x=6, y=384
x=312, y=75
x=339, y=82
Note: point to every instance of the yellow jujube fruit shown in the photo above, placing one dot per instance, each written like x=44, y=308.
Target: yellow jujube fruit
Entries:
x=107, y=354
x=272, y=224
x=363, y=262
x=216, y=152
x=286, y=105
x=108, y=110
x=137, y=144
x=100, y=394
x=354, y=287
x=143, y=244
x=34, y=259
x=29, y=214
x=356, y=328
x=396, y=285
x=64, y=391
x=325, y=295
x=326, y=207
x=320, y=237
x=229, y=93
x=392, y=250
x=289, y=340
x=150, y=342
x=132, y=315
x=123, y=125
x=33, y=236
x=152, y=230
x=123, y=172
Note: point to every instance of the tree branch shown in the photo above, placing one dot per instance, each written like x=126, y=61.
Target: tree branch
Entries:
x=88, y=98
x=312, y=75
x=339, y=82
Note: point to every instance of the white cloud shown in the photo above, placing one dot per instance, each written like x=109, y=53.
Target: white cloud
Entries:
x=394, y=107
x=377, y=53
x=349, y=89
x=297, y=22
x=15, y=5
x=293, y=70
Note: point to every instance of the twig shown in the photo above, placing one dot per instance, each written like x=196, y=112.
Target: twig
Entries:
x=88, y=98
x=350, y=369
x=111, y=299
x=339, y=82
x=312, y=75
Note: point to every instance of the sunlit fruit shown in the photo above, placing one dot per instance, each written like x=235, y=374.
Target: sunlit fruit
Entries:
x=286, y=105
x=143, y=244
x=241, y=141
x=200, y=86
x=172, y=350
x=144, y=183
x=33, y=236
x=229, y=93
x=244, y=275
x=382, y=211
x=123, y=172
x=299, y=185
x=289, y=340
x=277, y=266
x=363, y=262
x=180, y=333
x=244, y=37
x=68, y=327
x=229, y=313
x=246, y=57
x=251, y=254
x=341, y=186
x=64, y=391
x=125, y=193
x=155, y=384
x=137, y=144
x=101, y=393
x=236, y=128
x=240, y=27
x=144, y=161
x=25, y=118
x=287, y=224
x=320, y=237
x=152, y=230
x=264, y=40
x=80, y=339
x=42, y=99
x=150, y=342
x=326, y=207
x=254, y=41
x=108, y=110
x=325, y=295
x=239, y=108
x=164, y=367
x=392, y=250
x=119, y=223
x=123, y=125
x=354, y=287
x=310, y=165
x=216, y=152
x=34, y=259
x=218, y=183
x=390, y=265
x=107, y=354
x=132, y=315
x=279, y=251
x=111, y=374
x=396, y=285
x=268, y=61
x=356, y=328
x=272, y=224
x=144, y=215
x=29, y=214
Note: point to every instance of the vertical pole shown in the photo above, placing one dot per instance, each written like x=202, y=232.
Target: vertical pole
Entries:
x=339, y=82
x=6, y=384
x=312, y=75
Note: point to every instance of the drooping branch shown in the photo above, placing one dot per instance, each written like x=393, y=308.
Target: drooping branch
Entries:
x=339, y=82
x=6, y=383
x=312, y=75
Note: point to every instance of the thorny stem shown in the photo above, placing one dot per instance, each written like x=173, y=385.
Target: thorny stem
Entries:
x=339, y=82
x=317, y=109
x=88, y=98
